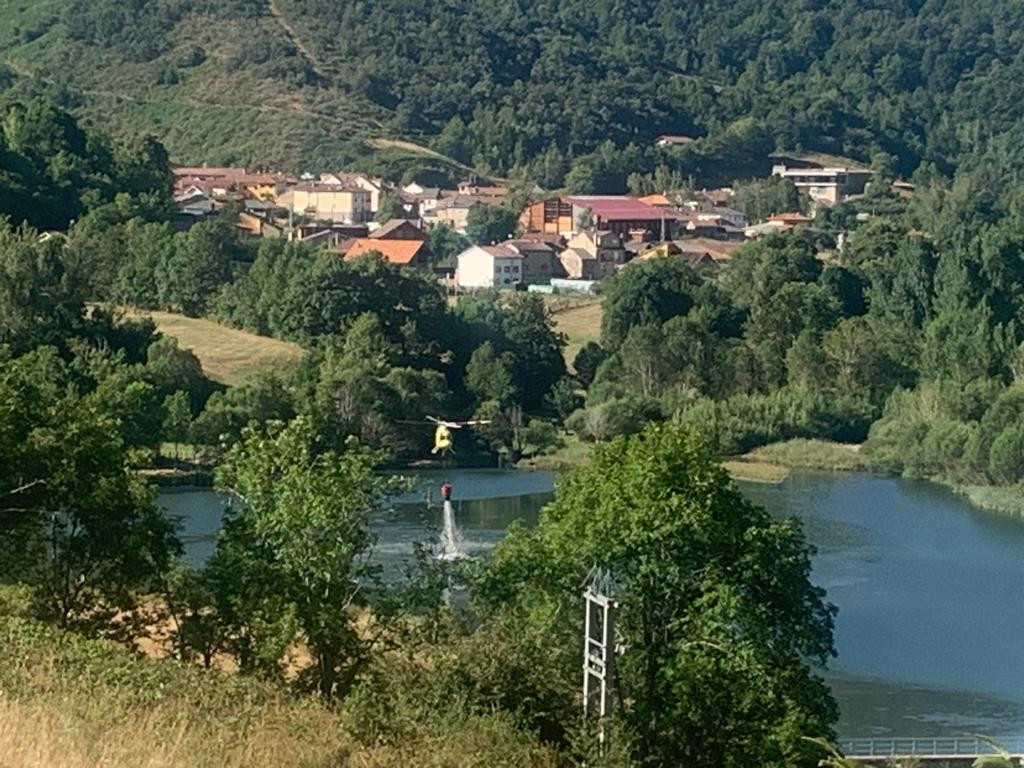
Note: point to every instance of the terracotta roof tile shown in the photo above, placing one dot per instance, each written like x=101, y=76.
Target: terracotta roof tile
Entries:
x=393, y=251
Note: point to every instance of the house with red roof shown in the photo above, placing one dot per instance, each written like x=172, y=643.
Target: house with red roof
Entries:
x=627, y=216
x=401, y=253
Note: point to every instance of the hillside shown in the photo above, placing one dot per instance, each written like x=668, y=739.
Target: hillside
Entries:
x=227, y=355
x=223, y=83
x=69, y=702
x=579, y=320
x=545, y=89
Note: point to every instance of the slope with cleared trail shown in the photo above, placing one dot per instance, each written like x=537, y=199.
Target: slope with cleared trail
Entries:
x=293, y=35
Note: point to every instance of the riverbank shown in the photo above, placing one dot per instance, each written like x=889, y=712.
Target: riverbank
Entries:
x=1003, y=500
x=574, y=453
x=812, y=454
x=767, y=464
x=772, y=463
x=833, y=457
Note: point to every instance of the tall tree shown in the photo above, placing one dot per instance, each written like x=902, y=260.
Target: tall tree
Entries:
x=488, y=224
x=312, y=513
x=79, y=525
x=718, y=618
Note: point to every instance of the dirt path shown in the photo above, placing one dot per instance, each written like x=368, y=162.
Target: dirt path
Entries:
x=293, y=35
x=410, y=146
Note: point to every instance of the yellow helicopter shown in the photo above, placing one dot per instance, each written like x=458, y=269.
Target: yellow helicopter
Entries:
x=444, y=440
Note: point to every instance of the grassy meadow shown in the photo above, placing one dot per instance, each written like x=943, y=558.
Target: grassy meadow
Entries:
x=811, y=454
x=228, y=355
x=579, y=318
x=69, y=702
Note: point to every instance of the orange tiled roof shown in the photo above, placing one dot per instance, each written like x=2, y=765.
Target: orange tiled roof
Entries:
x=394, y=251
x=657, y=200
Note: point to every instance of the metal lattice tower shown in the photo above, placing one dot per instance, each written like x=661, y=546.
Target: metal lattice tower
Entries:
x=598, y=648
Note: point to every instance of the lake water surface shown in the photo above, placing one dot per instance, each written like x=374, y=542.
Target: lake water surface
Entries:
x=930, y=631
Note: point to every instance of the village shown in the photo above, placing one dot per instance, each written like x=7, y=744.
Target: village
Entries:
x=561, y=243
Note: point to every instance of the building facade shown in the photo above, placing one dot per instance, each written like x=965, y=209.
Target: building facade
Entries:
x=328, y=202
x=488, y=266
x=825, y=186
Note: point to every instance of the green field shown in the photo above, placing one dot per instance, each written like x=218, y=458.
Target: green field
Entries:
x=579, y=319
x=227, y=355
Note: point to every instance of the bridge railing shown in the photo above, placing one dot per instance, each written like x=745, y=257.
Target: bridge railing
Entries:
x=967, y=746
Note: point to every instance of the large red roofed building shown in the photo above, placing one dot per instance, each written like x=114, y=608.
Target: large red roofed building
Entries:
x=623, y=215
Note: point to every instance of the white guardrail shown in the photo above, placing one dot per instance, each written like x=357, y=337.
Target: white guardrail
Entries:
x=966, y=746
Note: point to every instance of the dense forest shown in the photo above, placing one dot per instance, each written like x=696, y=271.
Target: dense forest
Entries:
x=569, y=93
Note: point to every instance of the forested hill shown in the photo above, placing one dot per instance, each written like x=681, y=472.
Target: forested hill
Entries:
x=545, y=88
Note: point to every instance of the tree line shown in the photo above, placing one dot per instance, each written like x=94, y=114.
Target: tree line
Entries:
x=892, y=322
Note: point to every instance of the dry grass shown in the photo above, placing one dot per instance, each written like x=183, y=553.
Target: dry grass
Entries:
x=51, y=734
x=811, y=454
x=69, y=702
x=419, y=149
x=756, y=471
x=228, y=355
x=579, y=319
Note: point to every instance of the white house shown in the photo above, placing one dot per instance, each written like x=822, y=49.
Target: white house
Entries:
x=489, y=266
x=825, y=186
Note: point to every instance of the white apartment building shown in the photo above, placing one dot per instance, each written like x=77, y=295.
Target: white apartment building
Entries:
x=488, y=266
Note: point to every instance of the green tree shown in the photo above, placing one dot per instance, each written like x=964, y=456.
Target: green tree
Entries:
x=587, y=361
x=312, y=513
x=1006, y=457
x=177, y=422
x=391, y=207
x=713, y=593
x=195, y=269
x=646, y=294
x=190, y=604
x=488, y=224
x=762, y=198
x=42, y=292
x=535, y=346
x=171, y=369
x=444, y=242
x=758, y=270
x=563, y=398
x=260, y=398
x=80, y=526
x=489, y=375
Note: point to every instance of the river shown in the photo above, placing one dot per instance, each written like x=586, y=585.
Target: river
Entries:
x=930, y=590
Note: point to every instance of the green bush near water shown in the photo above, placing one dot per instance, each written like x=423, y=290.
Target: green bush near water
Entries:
x=811, y=454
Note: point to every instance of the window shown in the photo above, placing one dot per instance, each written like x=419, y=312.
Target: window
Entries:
x=507, y=270
x=515, y=269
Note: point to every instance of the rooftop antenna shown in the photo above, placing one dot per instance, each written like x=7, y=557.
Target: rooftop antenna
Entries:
x=598, y=648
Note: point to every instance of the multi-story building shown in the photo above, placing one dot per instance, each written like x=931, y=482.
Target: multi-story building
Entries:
x=328, y=202
x=593, y=255
x=620, y=214
x=489, y=266
x=825, y=186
